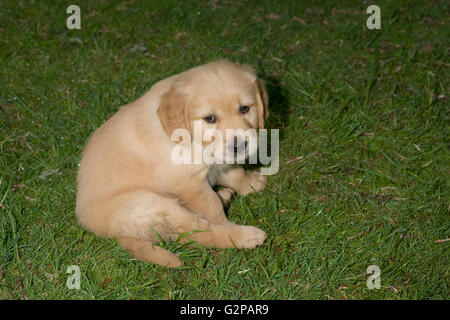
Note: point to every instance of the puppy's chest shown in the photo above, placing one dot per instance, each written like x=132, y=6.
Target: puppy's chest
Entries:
x=214, y=172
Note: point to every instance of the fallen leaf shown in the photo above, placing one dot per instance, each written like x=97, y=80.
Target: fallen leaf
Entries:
x=273, y=16
x=393, y=288
x=14, y=187
x=21, y=289
x=106, y=282
x=257, y=19
x=50, y=276
x=427, y=164
x=75, y=40
x=384, y=189
x=299, y=20
x=179, y=35
x=139, y=48
x=295, y=159
x=399, y=155
x=47, y=173
x=307, y=288
x=427, y=47
x=318, y=198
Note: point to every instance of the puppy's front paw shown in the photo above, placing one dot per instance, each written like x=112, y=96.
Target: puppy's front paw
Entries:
x=254, y=182
x=225, y=195
x=250, y=237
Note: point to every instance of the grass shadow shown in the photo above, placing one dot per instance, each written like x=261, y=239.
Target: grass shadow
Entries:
x=279, y=112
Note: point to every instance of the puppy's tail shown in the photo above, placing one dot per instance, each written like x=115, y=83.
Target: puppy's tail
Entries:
x=148, y=252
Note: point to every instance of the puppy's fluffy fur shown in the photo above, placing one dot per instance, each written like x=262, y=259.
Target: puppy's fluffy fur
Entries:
x=128, y=187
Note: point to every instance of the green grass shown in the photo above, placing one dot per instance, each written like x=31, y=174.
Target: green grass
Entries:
x=367, y=109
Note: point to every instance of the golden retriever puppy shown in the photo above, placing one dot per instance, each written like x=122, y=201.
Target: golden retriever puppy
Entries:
x=129, y=187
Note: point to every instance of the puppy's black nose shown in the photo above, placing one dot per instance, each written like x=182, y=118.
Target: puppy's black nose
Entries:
x=239, y=145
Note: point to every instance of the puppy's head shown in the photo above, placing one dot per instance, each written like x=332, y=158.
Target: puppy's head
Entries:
x=221, y=95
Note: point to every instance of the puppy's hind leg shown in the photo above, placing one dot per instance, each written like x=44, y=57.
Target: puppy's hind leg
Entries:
x=224, y=235
x=129, y=218
x=146, y=251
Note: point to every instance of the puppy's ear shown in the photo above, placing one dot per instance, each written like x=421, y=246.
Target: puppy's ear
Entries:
x=172, y=112
x=263, y=103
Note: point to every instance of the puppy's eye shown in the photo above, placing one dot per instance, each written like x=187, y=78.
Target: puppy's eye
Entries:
x=210, y=119
x=244, y=109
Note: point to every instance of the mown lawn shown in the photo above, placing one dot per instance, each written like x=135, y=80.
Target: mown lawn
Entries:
x=364, y=145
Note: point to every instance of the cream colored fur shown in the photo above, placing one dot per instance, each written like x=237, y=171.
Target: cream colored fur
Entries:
x=128, y=187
